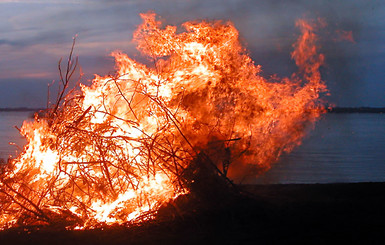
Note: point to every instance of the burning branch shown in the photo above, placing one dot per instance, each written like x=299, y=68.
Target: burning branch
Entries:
x=66, y=78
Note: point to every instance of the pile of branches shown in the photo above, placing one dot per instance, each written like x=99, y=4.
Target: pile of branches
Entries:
x=115, y=152
x=89, y=162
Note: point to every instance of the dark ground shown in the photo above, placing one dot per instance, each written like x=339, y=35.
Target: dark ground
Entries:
x=277, y=214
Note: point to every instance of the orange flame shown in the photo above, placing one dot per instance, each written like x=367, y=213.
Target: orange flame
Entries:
x=117, y=151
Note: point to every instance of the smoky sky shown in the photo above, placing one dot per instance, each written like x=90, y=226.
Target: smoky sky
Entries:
x=35, y=34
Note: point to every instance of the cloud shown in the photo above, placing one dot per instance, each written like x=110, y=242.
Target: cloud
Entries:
x=35, y=34
x=23, y=92
x=6, y=42
x=43, y=1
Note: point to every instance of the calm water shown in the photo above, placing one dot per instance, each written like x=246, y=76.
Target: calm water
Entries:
x=8, y=133
x=341, y=148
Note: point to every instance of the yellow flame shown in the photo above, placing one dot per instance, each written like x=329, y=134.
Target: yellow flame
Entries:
x=120, y=150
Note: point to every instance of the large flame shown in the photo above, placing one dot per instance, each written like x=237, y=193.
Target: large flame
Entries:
x=116, y=151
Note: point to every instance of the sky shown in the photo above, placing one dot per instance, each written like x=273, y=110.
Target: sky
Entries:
x=35, y=34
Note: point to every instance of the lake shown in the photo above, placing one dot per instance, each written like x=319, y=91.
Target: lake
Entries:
x=8, y=132
x=343, y=147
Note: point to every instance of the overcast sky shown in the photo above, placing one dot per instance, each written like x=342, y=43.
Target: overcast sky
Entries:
x=35, y=34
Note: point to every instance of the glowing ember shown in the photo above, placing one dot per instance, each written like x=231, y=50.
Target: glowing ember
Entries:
x=116, y=151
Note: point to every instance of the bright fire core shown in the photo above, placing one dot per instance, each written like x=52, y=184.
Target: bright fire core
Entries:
x=116, y=151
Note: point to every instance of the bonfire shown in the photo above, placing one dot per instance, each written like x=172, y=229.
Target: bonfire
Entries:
x=116, y=151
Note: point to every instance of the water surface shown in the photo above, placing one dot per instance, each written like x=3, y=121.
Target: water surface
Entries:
x=342, y=148
x=346, y=147
x=8, y=132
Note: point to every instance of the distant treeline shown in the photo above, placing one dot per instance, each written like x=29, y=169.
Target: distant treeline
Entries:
x=356, y=110
x=331, y=109
x=21, y=109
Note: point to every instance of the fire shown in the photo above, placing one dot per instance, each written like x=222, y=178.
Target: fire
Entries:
x=116, y=151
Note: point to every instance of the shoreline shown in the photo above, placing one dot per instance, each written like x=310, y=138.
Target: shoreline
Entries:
x=21, y=109
x=278, y=213
x=329, y=110
x=356, y=110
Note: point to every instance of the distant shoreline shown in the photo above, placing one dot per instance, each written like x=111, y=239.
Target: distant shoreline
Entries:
x=329, y=110
x=356, y=110
x=21, y=109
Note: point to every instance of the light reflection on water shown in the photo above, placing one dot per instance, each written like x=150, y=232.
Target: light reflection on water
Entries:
x=341, y=148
